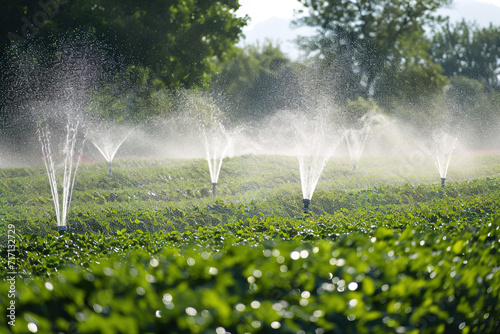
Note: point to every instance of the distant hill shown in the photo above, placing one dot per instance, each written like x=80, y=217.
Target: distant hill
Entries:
x=279, y=30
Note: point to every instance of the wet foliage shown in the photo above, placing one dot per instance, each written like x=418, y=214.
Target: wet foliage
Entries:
x=381, y=259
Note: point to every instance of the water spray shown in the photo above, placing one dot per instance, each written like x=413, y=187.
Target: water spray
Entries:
x=216, y=139
x=356, y=140
x=108, y=140
x=315, y=142
x=57, y=89
x=444, y=145
x=306, y=202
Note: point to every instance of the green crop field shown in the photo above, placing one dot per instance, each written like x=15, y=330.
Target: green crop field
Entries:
x=385, y=249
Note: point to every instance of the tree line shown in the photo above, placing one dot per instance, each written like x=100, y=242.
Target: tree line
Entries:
x=396, y=55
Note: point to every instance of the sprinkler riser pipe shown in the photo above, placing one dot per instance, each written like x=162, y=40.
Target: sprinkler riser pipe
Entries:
x=306, y=202
x=214, y=185
x=354, y=166
x=109, y=168
x=62, y=229
x=443, y=179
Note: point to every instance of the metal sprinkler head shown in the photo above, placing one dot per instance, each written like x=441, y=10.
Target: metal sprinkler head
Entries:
x=62, y=229
x=306, y=202
x=442, y=182
x=214, y=185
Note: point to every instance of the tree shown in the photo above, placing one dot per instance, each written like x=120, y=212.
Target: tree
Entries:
x=178, y=39
x=358, y=39
x=466, y=50
x=259, y=80
x=473, y=110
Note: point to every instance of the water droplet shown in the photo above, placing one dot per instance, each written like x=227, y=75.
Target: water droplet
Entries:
x=33, y=328
x=49, y=286
x=318, y=313
x=275, y=325
x=220, y=330
x=154, y=262
x=108, y=271
x=97, y=308
x=255, y=304
x=277, y=307
x=191, y=311
x=81, y=316
x=256, y=324
x=151, y=278
x=352, y=286
x=167, y=298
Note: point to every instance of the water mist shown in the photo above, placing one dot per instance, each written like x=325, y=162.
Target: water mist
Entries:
x=217, y=140
x=55, y=87
x=315, y=142
x=107, y=139
x=443, y=147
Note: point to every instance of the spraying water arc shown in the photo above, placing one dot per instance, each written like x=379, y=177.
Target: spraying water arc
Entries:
x=217, y=140
x=107, y=139
x=315, y=143
x=55, y=88
x=443, y=146
x=356, y=140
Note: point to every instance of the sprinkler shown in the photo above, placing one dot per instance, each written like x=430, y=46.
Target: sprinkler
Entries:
x=442, y=181
x=62, y=229
x=214, y=185
x=306, y=202
x=354, y=167
x=110, y=165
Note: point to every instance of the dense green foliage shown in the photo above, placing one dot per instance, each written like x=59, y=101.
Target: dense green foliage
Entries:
x=151, y=251
x=467, y=50
x=361, y=39
x=176, y=39
x=258, y=81
x=366, y=283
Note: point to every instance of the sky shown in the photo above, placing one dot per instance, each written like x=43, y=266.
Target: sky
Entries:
x=271, y=19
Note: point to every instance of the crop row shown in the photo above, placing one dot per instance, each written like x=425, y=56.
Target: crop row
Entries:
x=384, y=282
